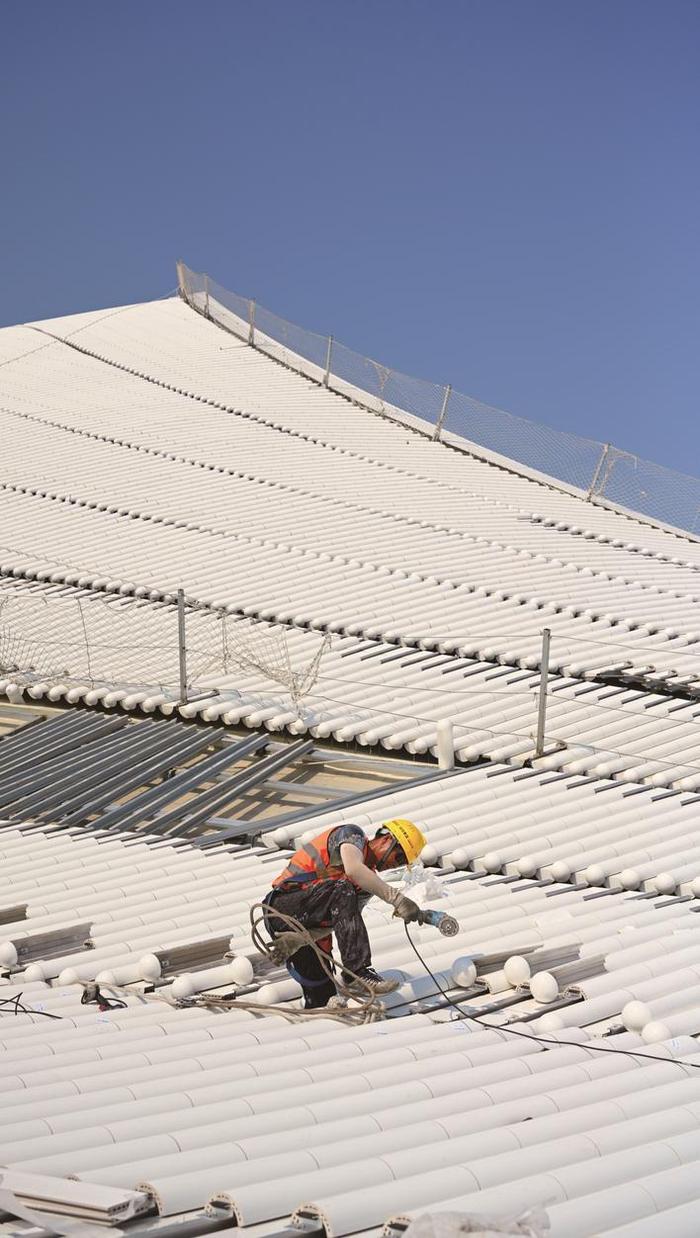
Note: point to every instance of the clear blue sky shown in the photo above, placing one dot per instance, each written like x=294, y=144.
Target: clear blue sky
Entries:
x=502, y=194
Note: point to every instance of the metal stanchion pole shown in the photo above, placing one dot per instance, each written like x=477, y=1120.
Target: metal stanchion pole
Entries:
x=443, y=411
x=181, y=281
x=598, y=468
x=542, y=702
x=181, y=646
x=329, y=353
x=251, y=322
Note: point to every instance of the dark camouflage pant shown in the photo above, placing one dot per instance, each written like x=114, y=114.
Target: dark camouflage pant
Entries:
x=336, y=905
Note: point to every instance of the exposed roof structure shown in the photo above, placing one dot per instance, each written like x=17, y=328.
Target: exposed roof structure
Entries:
x=345, y=581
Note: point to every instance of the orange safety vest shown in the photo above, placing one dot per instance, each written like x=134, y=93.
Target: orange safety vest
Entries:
x=311, y=864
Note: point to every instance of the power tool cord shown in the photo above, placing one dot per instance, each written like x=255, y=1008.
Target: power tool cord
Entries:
x=541, y=1040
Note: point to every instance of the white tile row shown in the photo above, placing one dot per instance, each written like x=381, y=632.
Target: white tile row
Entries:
x=371, y=692
x=330, y=533
x=260, y=1118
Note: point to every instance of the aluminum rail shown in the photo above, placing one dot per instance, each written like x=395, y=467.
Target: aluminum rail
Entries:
x=17, y=741
x=159, y=759
x=60, y=767
x=42, y=770
x=143, y=807
x=66, y=769
x=219, y=796
x=42, y=746
x=115, y=755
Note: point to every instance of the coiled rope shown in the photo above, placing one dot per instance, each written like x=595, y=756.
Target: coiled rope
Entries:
x=349, y=1006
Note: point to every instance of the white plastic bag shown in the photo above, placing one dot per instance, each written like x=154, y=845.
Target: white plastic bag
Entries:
x=531, y=1224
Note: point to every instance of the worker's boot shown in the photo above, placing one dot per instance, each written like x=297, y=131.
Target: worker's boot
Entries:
x=370, y=982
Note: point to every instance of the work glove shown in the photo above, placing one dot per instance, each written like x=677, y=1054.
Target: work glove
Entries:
x=406, y=909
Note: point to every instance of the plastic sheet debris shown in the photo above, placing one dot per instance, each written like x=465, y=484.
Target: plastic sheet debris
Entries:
x=531, y=1224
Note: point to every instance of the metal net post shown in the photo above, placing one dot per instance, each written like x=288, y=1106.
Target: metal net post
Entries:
x=443, y=413
x=181, y=646
x=542, y=699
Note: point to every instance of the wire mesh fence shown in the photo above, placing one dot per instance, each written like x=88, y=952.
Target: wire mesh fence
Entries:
x=72, y=640
x=601, y=472
x=54, y=643
x=109, y=642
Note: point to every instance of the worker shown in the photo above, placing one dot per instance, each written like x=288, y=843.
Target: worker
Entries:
x=326, y=884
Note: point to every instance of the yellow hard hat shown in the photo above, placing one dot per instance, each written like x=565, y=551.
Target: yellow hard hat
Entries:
x=407, y=835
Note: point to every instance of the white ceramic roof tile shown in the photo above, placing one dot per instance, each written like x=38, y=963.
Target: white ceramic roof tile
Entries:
x=257, y=1116
x=159, y=452
x=425, y=519
x=372, y=693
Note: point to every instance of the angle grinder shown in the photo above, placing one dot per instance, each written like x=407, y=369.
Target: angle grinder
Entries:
x=447, y=925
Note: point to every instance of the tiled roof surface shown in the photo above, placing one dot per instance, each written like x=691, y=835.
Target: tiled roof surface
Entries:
x=152, y=451
x=197, y=1107
x=207, y=444
x=370, y=692
x=166, y=453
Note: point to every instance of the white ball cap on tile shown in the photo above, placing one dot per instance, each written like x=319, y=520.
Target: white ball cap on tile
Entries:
x=8, y=954
x=517, y=970
x=463, y=972
x=544, y=988
x=655, y=1032
x=527, y=865
x=594, y=875
x=241, y=970
x=69, y=976
x=35, y=972
x=493, y=862
x=560, y=870
x=635, y=1016
x=149, y=967
x=183, y=986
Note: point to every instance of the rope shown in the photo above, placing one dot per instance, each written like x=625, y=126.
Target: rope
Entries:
x=367, y=1009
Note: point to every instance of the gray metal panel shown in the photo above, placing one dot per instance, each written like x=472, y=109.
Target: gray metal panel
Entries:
x=54, y=943
x=234, y=830
x=71, y=767
x=23, y=734
x=132, y=773
x=55, y=766
x=42, y=737
x=9, y=915
x=38, y=758
x=142, y=807
x=215, y=799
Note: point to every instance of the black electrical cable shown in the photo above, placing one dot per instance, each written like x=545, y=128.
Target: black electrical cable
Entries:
x=92, y=994
x=17, y=1006
x=541, y=1040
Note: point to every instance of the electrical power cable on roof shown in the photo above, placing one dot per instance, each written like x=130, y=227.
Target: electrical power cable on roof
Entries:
x=541, y=1040
x=17, y=1006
